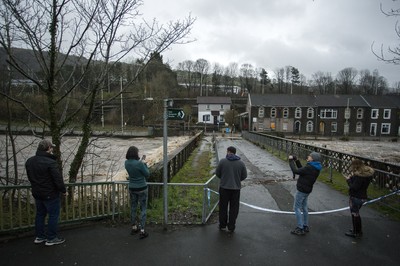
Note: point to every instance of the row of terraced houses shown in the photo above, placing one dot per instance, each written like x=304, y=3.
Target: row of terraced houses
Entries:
x=326, y=115
x=323, y=115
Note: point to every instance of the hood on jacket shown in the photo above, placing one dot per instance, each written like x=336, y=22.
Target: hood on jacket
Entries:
x=316, y=165
x=232, y=157
x=364, y=171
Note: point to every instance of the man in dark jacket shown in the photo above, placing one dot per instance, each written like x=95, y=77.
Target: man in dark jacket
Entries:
x=47, y=185
x=231, y=170
x=307, y=177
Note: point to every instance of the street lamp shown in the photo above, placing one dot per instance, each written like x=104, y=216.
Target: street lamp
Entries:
x=142, y=120
x=347, y=116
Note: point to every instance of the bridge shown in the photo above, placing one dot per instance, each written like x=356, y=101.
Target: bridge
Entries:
x=262, y=236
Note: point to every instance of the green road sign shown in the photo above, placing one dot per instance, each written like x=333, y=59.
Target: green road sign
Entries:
x=175, y=114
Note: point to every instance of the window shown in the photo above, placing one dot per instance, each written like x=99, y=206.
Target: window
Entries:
x=346, y=128
x=222, y=107
x=285, y=112
x=297, y=112
x=386, y=114
x=221, y=118
x=385, y=128
x=297, y=126
x=310, y=126
x=261, y=112
x=310, y=113
x=359, y=127
x=206, y=118
x=333, y=127
x=347, y=113
x=329, y=113
x=285, y=126
x=372, y=130
x=360, y=113
x=208, y=107
x=374, y=113
x=273, y=112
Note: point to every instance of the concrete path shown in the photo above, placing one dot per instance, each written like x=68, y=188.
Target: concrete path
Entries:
x=261, y=237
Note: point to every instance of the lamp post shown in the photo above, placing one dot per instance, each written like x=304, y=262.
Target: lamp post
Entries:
x=347, y=116
x=167, y=103
x=142, y=120
x=122, y=109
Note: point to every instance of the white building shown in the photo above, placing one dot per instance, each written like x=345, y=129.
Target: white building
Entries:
x=211, y=110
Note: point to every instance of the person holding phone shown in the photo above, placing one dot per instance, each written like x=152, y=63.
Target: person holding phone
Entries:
x=138, y=173
x=358, y=181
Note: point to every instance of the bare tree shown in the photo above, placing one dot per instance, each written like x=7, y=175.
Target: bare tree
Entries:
x=216, y=80
x=201, y=67
x=279, y=74
x=247, y=77
x=186, y=69
x=231, y=73
x=89, y=35
x=392, y=54
x=322, y=81
x=346, y=79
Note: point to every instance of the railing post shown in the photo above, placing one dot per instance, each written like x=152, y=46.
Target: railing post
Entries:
x=113, y=201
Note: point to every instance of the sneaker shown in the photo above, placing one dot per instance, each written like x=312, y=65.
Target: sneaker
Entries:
x=39, y=240
x=222, y=228
x=306, y=229
x=298, y=231
x=143, y=234
x=134, y=230
x=55, y=241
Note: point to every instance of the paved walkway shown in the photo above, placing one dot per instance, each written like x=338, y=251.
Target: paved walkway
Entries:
x=261, y=237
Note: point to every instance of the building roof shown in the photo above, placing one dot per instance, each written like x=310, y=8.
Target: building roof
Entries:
x=384, y=101
x=213, y=100
x=293, y=100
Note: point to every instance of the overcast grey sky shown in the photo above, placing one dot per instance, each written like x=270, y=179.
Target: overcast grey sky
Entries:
x=319, y=35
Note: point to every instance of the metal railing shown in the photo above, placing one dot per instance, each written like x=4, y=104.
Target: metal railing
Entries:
x=386, y=178
x=88, y=201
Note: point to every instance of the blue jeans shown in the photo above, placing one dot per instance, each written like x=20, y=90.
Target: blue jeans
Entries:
x=355, y=205
x=141, y=198
x=43, y=208
x=300, y=205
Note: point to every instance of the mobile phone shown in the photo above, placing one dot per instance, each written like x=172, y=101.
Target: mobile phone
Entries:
x=143, y=158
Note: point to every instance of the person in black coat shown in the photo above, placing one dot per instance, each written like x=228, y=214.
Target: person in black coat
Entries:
x=307, y=177
x=358, y=181
x=47, y=186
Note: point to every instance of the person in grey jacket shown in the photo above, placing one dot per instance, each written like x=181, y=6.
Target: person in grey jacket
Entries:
x=231, y=171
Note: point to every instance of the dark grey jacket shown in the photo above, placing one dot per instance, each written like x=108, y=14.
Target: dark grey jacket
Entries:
x=45, y=176
x=231, y=170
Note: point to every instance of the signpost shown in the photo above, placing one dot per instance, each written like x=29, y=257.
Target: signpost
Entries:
x=175, y=114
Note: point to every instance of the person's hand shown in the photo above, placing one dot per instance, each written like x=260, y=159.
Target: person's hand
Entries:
x=290, y=157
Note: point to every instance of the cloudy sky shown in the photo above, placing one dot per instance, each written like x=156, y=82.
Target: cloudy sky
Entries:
x=311, y=35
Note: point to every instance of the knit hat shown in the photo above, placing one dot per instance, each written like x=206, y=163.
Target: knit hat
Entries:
x=315, y=156
x=45, y=144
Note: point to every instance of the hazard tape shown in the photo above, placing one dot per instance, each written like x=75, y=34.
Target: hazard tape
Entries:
x=313, y=213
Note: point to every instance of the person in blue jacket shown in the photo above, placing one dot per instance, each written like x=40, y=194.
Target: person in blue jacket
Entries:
x=231, y=171
x=307, y=177
x=138, y=172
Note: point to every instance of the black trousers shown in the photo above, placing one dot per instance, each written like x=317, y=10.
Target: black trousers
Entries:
x=228, y=198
